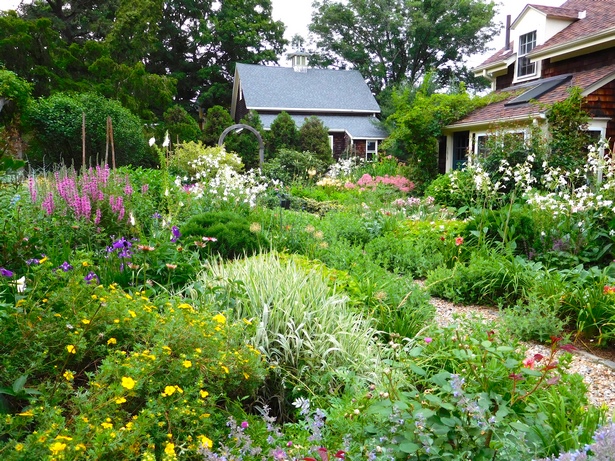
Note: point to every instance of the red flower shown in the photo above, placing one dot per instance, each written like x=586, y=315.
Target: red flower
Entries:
x=458, y=241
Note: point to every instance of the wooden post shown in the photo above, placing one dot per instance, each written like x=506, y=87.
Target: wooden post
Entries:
x=107, y=143
x=83, y=141
x=112, y=145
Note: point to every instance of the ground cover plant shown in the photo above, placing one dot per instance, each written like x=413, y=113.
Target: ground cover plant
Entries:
x=138, y=323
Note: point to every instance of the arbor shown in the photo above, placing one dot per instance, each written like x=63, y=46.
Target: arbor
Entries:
x=395, y=41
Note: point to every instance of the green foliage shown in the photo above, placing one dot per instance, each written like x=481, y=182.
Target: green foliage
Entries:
x=469, y=391
x=312, y=334
x=234, y=235
x=409, y=38
x=217, y=120
x=537, y=320
x=567, y=124
x=245, y=144
x=283, y=134
x=440, y=189
x=15, y=93
x=289, y=166
x=486, y=280
x=314, y=137
x=180, y=126
x=57, y=123
x=417, y=126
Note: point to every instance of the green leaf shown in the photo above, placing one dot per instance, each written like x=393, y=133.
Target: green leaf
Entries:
x=408, y=447
x=19, y=384
x=520, y=426
x=416, y=369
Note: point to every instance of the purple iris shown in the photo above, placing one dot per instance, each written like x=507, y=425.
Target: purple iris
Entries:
x=65, y=266
x=29, y=262
x=5, y=272
x=91, y=277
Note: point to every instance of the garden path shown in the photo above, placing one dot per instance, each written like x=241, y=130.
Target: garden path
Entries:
x=598, y=373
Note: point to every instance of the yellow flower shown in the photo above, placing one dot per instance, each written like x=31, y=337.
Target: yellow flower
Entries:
x=71, y=349
x=128, y=296
x=205, y=441
x=63, y=437
x=184, y=306
x=85, y=264
x=219, y=318
x=57, y=447
x=79, y=447
x=43, y=260
x=133, y=314
x=169, y=449
x=245, y=375
x=107, y=425
x=85, y=321
x=120, y=400
x=112, y=341
x=169, y=390
x=204, y=394
x=198, y=350
x=94, y=297
x=187, y=363
x=128, y=383
x=225, y=369
x=68, y=375
x=19, y=447
x=116, y=321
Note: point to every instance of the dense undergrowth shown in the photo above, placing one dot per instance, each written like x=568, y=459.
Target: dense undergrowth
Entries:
x=229, y=316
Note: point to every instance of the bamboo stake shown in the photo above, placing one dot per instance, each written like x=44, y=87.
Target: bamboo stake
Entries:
x=83, y=140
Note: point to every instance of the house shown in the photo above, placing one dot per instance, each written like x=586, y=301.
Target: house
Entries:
x=547, y=51
x=340, y=98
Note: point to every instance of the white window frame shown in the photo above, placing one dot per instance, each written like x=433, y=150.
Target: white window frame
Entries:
x=522, y=52
x=373, y=152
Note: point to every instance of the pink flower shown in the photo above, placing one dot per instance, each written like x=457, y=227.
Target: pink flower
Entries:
x=428, y=340
x=529, y=363
x=244, y=424
x=458, y=241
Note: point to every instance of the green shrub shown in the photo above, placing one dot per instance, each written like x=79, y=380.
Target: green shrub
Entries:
x=234, y=235
x=314, y=137
x=119, y=375
x=282, y=134
x=537, y=319
x=445, y=195
x=57, y=122
x=488, y=280
x=292, y=165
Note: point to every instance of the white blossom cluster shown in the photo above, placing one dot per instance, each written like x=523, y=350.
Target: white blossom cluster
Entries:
x=343, y=168
x=569, y=193
x=228, y=187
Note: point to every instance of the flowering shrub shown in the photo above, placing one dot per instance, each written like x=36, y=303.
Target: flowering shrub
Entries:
x=123, y=376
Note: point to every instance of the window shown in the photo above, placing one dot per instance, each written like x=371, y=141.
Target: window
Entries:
x=527, y=42
x=371, y=149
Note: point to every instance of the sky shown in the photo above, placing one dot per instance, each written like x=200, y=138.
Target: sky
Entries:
x=296, y=15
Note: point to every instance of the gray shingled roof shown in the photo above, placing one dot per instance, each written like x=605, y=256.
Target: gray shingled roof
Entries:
x=359, y=127
x=321, y=89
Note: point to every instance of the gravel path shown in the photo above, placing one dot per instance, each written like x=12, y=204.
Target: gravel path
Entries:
x=598, y=374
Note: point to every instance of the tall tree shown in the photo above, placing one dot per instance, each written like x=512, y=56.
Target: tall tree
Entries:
x=396, y=41
x=199, y=42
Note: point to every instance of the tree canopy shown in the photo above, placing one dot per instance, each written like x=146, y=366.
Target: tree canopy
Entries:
x=125, y=47
x=396, y=41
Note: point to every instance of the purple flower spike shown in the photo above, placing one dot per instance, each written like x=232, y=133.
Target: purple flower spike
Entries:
x=175, y=234
x=5, y=272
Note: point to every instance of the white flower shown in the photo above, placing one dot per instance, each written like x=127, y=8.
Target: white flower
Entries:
x=166, y=140
x=21, y=284
x=152, y=141
x=132, y=219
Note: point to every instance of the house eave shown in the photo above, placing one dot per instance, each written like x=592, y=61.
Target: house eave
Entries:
x=314, y=110
x=489, y=123
x=601, y=40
